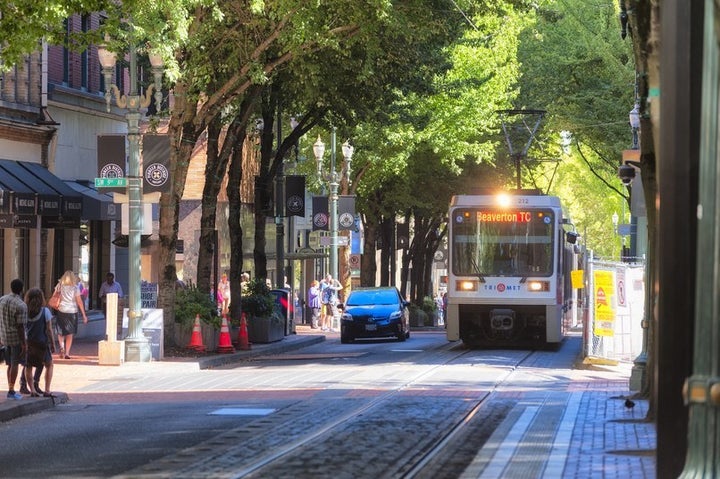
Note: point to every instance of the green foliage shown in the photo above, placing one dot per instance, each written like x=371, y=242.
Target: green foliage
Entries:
x=429, y=305
x=257, y=302
x=575, y=65
x=190, y=302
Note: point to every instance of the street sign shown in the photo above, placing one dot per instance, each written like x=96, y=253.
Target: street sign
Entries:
x=119, y=182
x=327, y=241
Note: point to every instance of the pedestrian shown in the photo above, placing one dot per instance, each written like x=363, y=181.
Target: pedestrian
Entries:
x=244, y=280
x=84, y=292
x=314, y=303
x=329, y=299
x=109, y=286
x=439, y=307
x=223, y=294
x=444, y=308
x=13, y=316
x=40, y=342
x=70, y=304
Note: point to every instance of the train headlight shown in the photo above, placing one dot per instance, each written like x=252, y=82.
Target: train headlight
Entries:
x=538, y=286
x=466, y=285
x=503, y=200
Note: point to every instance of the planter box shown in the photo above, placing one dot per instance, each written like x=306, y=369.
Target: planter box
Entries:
x=210, y=336
x=265, y=330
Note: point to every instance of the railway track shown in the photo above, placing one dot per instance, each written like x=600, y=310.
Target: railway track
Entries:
x=424, y=427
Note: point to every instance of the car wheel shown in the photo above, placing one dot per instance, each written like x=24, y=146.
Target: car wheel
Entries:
x=345, y=339
x=402, y=335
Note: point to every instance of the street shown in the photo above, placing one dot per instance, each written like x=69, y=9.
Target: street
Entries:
x=422, y=408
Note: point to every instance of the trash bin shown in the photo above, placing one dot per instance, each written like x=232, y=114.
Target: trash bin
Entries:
x=284, y=305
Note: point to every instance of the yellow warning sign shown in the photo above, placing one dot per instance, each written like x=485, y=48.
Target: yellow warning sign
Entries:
x=577, y=278
x=604, y=312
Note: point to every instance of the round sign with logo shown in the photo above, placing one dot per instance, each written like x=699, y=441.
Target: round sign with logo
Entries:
x=295, y=204
x=346, y=220
x=354, y=261
x=156, y=174
x=111, y=170
x=320, y=220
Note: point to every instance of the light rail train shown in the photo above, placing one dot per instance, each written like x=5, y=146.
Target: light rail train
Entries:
x=509, y=266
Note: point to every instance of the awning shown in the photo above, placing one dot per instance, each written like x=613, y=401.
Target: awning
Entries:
x=71, y=201
x=36, y=191
x=96, y=205
x=22, y=198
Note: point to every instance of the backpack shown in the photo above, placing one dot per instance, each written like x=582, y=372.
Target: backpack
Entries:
x=327, y=295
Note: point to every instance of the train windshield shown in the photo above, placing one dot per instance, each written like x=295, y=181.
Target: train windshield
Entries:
x=502, y=242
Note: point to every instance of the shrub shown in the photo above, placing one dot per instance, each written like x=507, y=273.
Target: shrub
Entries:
x=190, y=302
x=429, y=305
x=257, y=301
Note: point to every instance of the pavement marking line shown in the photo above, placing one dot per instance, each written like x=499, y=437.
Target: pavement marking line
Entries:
x=561, y=445
x=507, y=448
x=241, y=411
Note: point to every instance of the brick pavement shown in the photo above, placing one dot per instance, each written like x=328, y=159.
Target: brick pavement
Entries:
x=577, y=429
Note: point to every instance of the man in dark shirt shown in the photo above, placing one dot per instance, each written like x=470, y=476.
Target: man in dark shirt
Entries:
x=13, y=316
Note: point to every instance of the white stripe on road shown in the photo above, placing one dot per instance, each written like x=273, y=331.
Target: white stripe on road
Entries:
x=561, y=444
x=507, y=448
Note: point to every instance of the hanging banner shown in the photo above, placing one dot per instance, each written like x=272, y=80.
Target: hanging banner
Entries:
x=577, y=278
x=156, y=163
x=111, y=159
x=346, y=212
x=321, y=215
x=295, y=195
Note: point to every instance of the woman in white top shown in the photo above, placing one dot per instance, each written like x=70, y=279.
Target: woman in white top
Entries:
x=70, y=303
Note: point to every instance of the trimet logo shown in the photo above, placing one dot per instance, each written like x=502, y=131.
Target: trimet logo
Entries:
x=156, y=174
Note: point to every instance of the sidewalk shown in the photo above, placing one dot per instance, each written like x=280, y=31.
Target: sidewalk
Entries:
x=85, y=353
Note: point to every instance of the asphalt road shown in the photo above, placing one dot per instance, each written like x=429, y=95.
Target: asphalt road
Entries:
x=368, y=409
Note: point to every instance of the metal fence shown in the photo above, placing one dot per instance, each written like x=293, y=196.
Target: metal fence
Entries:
x=613, y=309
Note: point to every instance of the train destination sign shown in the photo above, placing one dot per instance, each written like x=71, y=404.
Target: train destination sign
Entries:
x=504, y=216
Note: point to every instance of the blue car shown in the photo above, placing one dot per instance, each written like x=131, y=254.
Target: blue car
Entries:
x=375, y=313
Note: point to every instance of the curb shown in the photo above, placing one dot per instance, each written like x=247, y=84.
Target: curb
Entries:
x=12, y=409
x=263, y=350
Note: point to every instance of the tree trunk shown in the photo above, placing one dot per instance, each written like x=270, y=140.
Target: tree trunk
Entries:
x=214, y=172
x=235, y=174
x=368, y=268
x=184, y=129
x=387, y=251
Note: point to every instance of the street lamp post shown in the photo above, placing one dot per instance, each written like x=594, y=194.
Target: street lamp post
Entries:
x=333, y=179
x=137, y=347
x=615, y=220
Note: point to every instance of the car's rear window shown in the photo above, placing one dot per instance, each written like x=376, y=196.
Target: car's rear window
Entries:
x=361, y=298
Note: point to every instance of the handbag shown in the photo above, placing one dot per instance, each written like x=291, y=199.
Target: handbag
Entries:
x=54, y=301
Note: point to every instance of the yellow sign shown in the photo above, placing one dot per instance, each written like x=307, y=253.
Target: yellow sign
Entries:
x=577, y=279
x=604, y=312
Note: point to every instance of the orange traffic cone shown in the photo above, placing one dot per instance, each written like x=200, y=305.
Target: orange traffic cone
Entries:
x=196, y=338
x=225, y=344
x=243, y=342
